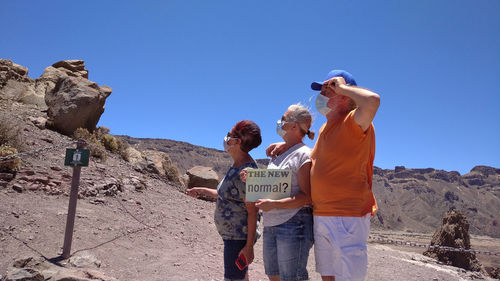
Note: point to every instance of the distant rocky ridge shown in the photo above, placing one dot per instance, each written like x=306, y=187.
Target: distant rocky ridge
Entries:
x=413, y=200
x=416, y=199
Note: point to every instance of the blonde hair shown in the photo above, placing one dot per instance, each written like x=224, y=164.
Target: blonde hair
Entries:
x=301, y=115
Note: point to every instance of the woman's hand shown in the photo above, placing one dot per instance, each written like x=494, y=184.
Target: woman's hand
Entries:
x=195, y=192
x=198, y=192
x=247, y=251
x=243, y=175
x=265, y=204
x=275, y=149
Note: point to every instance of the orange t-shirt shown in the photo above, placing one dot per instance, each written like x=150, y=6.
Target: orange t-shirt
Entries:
x=342, y=169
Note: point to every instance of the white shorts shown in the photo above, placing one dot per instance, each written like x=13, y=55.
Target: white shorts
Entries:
x=340, y=246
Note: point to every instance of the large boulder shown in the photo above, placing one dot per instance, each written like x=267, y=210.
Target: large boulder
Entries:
x=454, y=232
x=203, y=177
x=17, y=86
x=75, y=102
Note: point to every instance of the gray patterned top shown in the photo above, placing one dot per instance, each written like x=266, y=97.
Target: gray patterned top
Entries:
x=231, y=214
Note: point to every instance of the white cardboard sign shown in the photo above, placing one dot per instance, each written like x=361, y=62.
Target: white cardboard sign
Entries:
x=268, y=184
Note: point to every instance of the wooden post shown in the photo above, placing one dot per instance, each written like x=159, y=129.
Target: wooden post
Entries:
x=73, y=197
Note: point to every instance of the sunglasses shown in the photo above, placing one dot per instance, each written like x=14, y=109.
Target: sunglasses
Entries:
x=231, y=136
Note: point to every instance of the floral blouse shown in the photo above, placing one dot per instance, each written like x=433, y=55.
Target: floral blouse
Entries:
x=230, y=211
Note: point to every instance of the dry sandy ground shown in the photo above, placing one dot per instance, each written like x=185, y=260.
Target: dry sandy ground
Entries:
x=160, y=234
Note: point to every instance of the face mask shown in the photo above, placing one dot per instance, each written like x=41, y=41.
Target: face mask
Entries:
x=225, y=143
x=279, y=128
x=321, y=105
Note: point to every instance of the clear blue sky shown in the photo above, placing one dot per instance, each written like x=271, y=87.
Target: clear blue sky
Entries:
x=189, y=70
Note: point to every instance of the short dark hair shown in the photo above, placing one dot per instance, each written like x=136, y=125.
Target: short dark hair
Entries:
x=249, y=133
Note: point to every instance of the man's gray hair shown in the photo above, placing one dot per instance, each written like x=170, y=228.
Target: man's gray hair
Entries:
x=300, y=114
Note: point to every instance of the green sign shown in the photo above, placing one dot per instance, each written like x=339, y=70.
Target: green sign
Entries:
x=268, y=184
x=77, y=157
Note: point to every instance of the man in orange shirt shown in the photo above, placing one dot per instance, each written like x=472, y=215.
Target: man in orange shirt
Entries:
x=341, y=177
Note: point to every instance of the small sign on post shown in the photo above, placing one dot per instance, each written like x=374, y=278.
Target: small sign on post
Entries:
x=77, y=158
x=268, y=184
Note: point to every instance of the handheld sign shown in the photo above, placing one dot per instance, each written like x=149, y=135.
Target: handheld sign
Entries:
x=268, y=184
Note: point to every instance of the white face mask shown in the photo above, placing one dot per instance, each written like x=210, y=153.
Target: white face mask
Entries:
x=226, y=144
x=279, y=128
x=321, y=105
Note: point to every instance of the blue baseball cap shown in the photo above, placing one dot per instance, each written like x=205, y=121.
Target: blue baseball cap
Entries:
x=349, y=79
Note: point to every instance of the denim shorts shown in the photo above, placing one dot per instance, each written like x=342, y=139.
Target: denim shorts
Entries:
x=287, y=246
x=231, y=250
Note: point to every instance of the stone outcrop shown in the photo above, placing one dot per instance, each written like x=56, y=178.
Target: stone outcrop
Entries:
x=64, y=89
x=159, y=163
x=47, y=181
x=17, y=86
x=83, y=266
x=47, y=81
x=202, y=176
x=75, y=68
x=75, y=103
x=454, y=232
x=134, y=156
x=153, y=161
x=10, y=71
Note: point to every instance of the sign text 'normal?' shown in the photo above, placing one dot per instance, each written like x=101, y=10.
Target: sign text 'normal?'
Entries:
x=268, y=184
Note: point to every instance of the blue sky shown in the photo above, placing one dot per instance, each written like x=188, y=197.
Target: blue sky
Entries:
x=189, y=70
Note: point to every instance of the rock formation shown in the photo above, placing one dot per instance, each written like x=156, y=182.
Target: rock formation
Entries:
x=74, y=103
x=454, y=232
x=158, y=162
x=202, y=176
x=64, y=89
x=82, y=266
x=17, y=86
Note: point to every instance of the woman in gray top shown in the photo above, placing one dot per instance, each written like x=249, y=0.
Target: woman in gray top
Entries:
x=288, y=232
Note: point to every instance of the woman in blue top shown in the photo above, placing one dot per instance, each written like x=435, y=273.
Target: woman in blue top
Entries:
x=235, y=219
x=288, y=233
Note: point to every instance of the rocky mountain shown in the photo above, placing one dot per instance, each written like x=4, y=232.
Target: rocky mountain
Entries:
x=416, y=199
x=408, y=199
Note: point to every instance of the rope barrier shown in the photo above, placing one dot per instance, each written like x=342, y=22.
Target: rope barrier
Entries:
x=35, y=151
x=429, y=246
